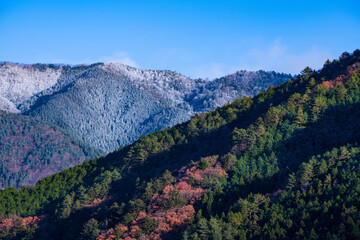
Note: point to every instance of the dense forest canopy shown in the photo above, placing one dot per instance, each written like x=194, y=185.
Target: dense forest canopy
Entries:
x=281, y=165
x=31, y=149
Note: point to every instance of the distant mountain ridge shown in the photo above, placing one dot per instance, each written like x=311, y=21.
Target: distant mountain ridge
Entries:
x=108, y=105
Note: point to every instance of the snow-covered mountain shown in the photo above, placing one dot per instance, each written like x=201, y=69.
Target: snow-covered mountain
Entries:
x=110, y=105
x=20, y=82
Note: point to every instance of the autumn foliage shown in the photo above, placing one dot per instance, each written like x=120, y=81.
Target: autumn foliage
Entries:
x=13, y=220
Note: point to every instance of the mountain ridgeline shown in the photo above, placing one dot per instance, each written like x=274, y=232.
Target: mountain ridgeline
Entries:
x=111, y=105
x=281, y=165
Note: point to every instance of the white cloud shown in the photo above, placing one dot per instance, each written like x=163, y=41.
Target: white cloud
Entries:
x=121, y=57
x=276, y=49
x=274, y=57
x=279, y=57
x=211, y=71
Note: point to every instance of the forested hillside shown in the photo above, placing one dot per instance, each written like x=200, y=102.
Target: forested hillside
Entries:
x=281, y=165
x=31, y=150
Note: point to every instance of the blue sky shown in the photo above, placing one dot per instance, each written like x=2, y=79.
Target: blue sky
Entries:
x=195, y=38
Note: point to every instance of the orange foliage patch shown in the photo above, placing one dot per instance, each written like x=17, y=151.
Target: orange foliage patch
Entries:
x=141, y=216
x=176, y=218
x=97, y=202
x=198, y=174
x=133, y=230
x=9, y=223
x=173, y=219
x=108, y=235
x=341, y=79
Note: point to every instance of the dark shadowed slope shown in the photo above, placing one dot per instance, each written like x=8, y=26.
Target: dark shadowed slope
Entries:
x=31, y=150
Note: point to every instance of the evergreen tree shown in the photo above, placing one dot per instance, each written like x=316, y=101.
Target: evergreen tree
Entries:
x=215, y=229
x=90, y=230
x=301, y=117
x=203, y=229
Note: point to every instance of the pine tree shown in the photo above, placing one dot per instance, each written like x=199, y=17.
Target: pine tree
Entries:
x=306, y=173
x=90, y=230
x=82, y=195
x=291, y=181
x=317, y=107
x=175, y=199
x=301, y=117
x=313, y=235
x=272, y=117
x=67, y=206
x=215, y=229
x=229, y=162
x=186, y=235
x=203, y=229
x=149, y=225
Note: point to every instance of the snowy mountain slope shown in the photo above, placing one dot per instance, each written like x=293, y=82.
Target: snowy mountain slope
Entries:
x=168, y=84
x=20, y=82
x=110, y=105
x=226, y=89
x=108, y=111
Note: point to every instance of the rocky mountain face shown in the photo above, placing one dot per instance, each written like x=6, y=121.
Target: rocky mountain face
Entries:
x=111, y=105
